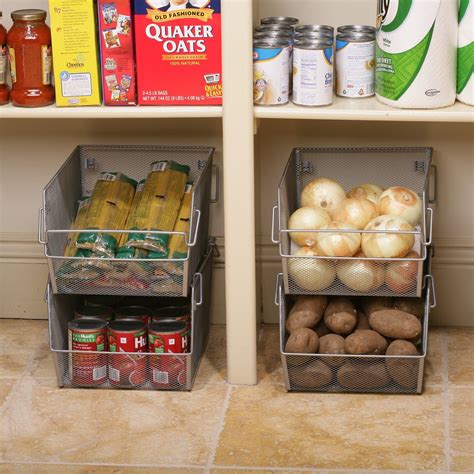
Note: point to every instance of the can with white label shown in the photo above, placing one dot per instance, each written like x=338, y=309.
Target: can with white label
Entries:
x=281, y=27
x=314, y=35
x=270, y=71
x=356, y=29
x=355, y=65
x=269, y=20
x=314, y=28
x=313, y=72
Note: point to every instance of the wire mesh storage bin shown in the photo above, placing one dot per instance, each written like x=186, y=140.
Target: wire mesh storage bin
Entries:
x=114, y=276
x=152, y=371
x=351, y=167
x=353, y=373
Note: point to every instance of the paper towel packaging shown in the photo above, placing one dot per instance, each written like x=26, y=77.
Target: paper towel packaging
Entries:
x=465, y=83
x=416, y=52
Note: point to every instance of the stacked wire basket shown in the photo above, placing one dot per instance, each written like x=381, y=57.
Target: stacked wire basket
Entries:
x=189, y=277
x=408, y=167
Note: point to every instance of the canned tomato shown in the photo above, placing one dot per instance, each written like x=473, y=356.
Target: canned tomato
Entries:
x=314, y=28
x=356, y=29
x=168, y=371
x=270, y=69
x=97, y=312
x=271, y=20
x=139, y=313
x=87, y=335
x=174, y=314
x=355, y=65
x=102, y=300
x=127, y=335
x=312, y=73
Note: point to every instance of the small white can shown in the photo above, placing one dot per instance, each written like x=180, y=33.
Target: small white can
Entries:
x=270, y=71
x=355, y=65
x=313, y=72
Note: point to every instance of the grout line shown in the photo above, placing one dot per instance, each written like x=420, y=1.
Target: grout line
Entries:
x=316, y=470
x=103, y=464
x=220, y=428
x=447, y=440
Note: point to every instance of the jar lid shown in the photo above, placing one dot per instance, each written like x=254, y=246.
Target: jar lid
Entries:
x=28, y=15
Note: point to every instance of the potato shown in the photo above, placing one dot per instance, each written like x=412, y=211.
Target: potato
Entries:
x=365, y=342
x=302, y=340
x=340, y=316
x=395, y=324
x=363, y=376
x=306, y=312
x=369, y=305
x=321, y=329
x=362, y=321
x=415, y=306
x=315, y=374
x=332, y=344
x=403, y=371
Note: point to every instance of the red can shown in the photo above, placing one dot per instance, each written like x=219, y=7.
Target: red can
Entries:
x=133, y=312
x=178, y=312
x=127, y=335
x=87, y=335
x=97, y=312
x=168, y=371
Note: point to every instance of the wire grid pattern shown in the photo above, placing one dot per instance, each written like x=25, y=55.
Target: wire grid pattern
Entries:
x=76, y=179
x=351, y=373
x=143, y=371
x=386, y=167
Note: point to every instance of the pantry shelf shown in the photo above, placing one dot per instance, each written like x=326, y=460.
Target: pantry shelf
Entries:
x=53, y=112
x=365, y=110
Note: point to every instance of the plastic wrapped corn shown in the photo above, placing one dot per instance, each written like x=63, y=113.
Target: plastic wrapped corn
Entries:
x=177, y=247
x=79, y=223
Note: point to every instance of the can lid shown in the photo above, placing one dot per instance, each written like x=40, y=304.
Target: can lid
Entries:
x=28, y=14
x=172, y=311
x=87, y=325
x=303, y=28
x=314, y=34
x=268, y=43
x=355, y=37
x=344, y=28
x=272, y=34
x=275, y=26
x=127, y=325
x=279, y=19
x=94, y=311
x=313, y=44
x=164, y=327
x=126, y=311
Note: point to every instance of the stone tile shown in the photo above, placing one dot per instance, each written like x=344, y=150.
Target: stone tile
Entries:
x=461, y=428
x=213, y=366
x=34, y=468
x=461, y=355
x=329, y=431
x=269, y=366
x=258, y=471
x=44, y=423
x=433, y=373
x=6, y=386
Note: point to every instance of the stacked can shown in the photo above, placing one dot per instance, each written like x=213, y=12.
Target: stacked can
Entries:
x=355, y=61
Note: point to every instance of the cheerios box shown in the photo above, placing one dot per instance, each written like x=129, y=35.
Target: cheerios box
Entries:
x=178, y=52
x=75, y=52
x=116, y=52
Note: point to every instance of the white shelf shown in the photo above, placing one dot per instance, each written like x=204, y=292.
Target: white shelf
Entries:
x=53, y=112
x=369, y=109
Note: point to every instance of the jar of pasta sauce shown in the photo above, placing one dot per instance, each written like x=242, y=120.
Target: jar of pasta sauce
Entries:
x=4, y=90
x=29, y=45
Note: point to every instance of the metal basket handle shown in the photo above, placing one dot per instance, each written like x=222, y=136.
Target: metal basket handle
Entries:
x=430, y=240
x=41, y=227
x=197, y=277
x=274, y=239
x=277, y=288
x=433, y=184
x=433, y=301
x=193, y=241
x=217, y=191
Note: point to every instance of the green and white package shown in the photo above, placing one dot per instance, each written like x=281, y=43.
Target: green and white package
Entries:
x=416, y=49
x=465, y=83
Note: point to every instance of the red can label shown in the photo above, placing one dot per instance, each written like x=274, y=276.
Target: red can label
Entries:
x=168, y=372
x=166, y=343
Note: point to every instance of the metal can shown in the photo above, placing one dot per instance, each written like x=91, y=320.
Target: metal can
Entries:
x=87, y=335
x=287, y=20
x=356, y=29
x=144, y=301
x=270, y=72
x=104, y=313
x=139, y=313
x=355, y=65
x=314, y=28
x=127, y=335
x=102, y=300
x=312, y=73
x=174, y=314
x=275, y=27
x=314, y=35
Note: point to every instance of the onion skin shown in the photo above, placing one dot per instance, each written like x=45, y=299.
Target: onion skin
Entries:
x=324, y=193
x=402, y=202
x=307, y=218
x=361, y=275
x=338, y=244
x=401, y=276
x=385, y=245
x=372, y=192
x=357, y=212
x=311, y=274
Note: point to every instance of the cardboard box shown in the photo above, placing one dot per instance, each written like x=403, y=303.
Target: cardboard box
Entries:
x=75, y=52
x=178, y=52
x=116, y=51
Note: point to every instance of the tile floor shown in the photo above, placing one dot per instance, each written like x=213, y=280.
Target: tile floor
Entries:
x=219, y=428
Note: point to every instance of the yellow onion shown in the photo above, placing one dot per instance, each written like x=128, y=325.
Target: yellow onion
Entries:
x=307, y=218
x=402, y=202
x=361, y=275
x=338, y=244
x=368, y=191
x=311, y=274
x=385, y=245
x=401, y=276
x=323, y=192
x=357, y=212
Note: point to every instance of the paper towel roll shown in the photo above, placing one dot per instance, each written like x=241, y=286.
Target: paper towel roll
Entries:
x=465, y=85
x=416, y=53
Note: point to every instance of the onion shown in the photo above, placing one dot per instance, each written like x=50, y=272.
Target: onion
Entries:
x=307, y=218
x=387, y=245
x=338, y=244
x=401, y=276
x=368, y=191
x=401, y=202
x=361, y=275
x=356, y=211
x=312, y=274
x=323, y=192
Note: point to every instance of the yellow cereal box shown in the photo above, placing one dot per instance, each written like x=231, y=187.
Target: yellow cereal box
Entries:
x=75, y=52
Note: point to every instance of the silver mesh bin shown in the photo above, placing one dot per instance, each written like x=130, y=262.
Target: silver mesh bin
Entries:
x=113, y=276
x=181, y=367
x=353, y=373
x=386, y=167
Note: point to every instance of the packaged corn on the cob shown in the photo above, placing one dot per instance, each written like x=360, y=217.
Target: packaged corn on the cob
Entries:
x=159, y=205
x=79, y=223
x=109, y=208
